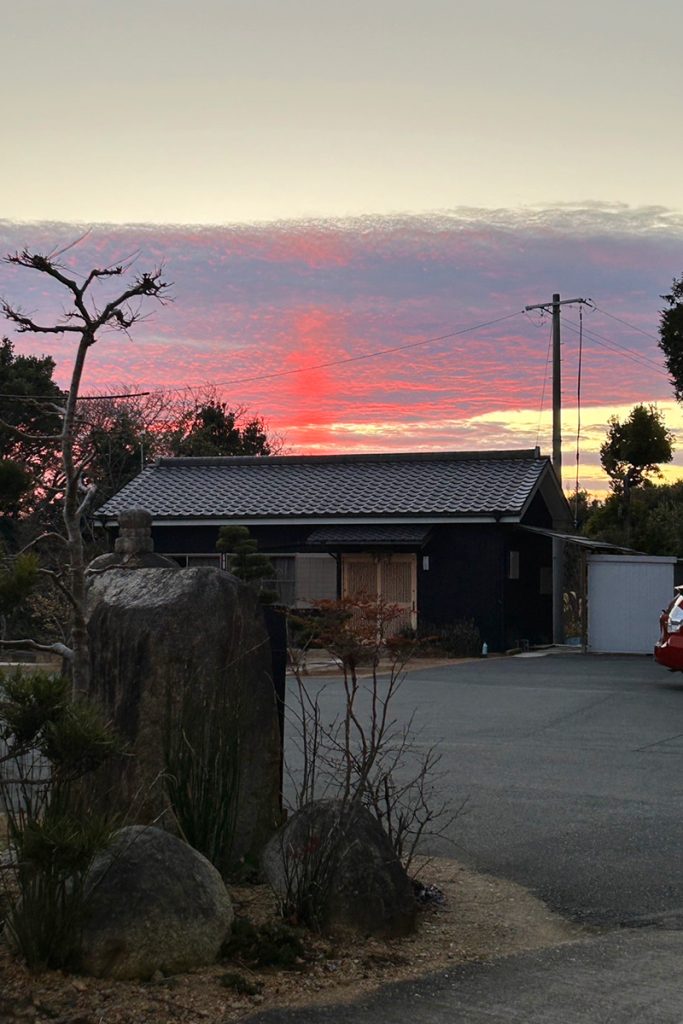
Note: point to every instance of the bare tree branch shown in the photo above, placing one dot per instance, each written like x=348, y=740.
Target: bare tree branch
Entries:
x=90, y=492
x=99, y=273
x=18, y=432
x=63, y=589
x=36, y=540
x=148, y=285
x=32, y=645
x=26, y=325
x=43, y=264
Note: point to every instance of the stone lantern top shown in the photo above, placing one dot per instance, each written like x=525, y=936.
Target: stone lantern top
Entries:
x=134, y=547
x=135, y=532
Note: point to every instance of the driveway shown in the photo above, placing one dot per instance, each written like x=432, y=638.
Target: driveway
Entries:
x=572, y=766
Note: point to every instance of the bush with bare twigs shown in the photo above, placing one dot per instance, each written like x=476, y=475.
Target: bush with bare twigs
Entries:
x=366, y=755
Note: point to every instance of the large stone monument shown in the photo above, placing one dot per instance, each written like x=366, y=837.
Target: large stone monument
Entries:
x=181, y=662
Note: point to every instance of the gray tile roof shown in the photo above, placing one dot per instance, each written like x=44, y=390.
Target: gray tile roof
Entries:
x=419, y=485
x=344, y=536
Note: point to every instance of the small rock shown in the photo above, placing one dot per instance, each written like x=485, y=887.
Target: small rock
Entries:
x=47, y=1010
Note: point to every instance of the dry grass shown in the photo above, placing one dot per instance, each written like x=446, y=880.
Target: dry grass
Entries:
x=482, y=918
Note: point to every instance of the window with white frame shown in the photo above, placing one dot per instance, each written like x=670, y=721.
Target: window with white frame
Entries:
x=192, y=561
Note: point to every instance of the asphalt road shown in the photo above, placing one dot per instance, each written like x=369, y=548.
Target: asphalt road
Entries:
x=572, y=767
x=625, y=977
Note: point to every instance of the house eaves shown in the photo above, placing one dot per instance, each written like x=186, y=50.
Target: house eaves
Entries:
x=582, y=542
x=324, y=520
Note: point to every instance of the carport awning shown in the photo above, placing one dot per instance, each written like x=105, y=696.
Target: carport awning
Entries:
x=576, y=538
x=368, y=536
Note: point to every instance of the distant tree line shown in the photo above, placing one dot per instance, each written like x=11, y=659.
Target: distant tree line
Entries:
x=115, y=437
x=640, y=512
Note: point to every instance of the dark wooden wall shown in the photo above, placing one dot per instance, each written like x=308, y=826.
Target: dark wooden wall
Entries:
x=468, y=579
x=467, y=576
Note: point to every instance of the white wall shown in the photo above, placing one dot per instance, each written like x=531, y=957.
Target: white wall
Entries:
x=626, y=594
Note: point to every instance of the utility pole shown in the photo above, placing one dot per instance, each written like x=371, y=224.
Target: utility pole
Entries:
x=558, y=543
x=557, y=389
x=557, y=374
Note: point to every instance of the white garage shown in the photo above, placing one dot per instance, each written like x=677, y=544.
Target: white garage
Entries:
x=626, y=595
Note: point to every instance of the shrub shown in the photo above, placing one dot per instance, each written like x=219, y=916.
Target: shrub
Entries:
x=365, y=755
x=241, y=985
x=267, y=945
x=459, y=639
x=50, y=744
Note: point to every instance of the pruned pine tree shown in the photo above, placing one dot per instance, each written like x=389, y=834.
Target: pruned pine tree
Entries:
x=244, y=560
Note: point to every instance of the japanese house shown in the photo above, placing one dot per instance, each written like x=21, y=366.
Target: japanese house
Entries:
x=443, y=534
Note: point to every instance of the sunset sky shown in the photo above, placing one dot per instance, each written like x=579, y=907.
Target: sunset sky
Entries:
x=324, y=181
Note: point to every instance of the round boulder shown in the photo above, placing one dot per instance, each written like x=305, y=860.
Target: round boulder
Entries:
x=333, y=864
x=152, y=904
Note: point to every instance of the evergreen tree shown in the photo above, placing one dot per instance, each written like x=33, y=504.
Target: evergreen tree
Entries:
x=212, y=429
x=30, y=424
x=245, y=561
x=671, y=335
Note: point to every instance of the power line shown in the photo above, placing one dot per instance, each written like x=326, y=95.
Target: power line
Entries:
x=312, y=366
x=545, y=382
x=609, y=344
x=578, y=417
x=351, y=359
x=614, y=346
x=81, y=398
x=631, y=327
x=130, y=394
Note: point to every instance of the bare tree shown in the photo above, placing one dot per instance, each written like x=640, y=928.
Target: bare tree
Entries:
x=83, y=318
x=117, y=435
x=365, y=755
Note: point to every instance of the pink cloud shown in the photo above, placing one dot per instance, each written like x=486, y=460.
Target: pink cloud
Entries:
x=254, y=300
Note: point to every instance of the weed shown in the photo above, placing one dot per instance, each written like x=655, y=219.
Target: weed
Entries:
x=241, y=985
x=268, y=945
x=202, y=757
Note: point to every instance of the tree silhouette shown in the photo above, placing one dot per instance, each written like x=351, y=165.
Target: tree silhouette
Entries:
x=633, y=452
x=671, y=335
x=87, y=312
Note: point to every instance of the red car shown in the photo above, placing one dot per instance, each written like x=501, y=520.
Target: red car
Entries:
x=669, y=649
